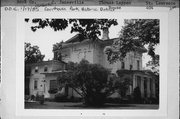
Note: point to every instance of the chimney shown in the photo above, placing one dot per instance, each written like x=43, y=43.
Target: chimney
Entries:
x=105, y=34
x=55, y=55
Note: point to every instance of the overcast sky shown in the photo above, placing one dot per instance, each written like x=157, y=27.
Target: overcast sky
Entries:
x=45, y=38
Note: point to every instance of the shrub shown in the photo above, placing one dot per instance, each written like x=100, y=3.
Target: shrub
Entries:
x=40, y=98
x=33, y=97
x=137, y=95
x=53, y=91
x=60, y=98
x=113, y=100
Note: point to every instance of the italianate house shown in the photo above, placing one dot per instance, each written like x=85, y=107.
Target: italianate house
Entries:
x=42, y=76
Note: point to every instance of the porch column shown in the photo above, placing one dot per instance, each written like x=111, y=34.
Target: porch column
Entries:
x=142, y=87
x=130, y=90
x=148, y=87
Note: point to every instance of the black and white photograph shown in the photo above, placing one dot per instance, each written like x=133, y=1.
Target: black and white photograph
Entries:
x=86, y=59
x=91, y=63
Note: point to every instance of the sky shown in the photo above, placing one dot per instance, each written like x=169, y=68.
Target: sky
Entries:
x=45, y=38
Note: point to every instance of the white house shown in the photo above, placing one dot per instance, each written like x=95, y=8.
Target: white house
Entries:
x=42, y=76
x=75, y=49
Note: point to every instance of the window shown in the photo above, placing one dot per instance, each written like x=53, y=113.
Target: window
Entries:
x=36, y=69
x=35, y=84
x=138, y=65
x=45, y=69
x=53, y=84
x=122, y=65
x=131, y=67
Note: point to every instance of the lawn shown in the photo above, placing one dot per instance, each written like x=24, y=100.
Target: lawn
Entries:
x=79, y=105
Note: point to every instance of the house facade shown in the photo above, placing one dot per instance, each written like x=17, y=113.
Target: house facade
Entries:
x=93, y=51
x=42, y=77
x=130, y=67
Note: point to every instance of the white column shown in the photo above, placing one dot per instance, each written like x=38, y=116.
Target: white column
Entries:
x=134, y=82
x=130, y=90
x=142, y=87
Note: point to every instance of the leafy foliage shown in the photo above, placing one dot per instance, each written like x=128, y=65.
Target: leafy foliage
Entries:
x=55, y=24
x=135, y=34
x=154, y=64
x=91, y=81
x=53, y=91
x=123, y=85
x=57, y=51
x=124, y=81
x=32, y=54
x=89, y=28
x=137, y=95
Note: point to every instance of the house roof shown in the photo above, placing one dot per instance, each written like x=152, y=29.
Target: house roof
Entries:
x=54, y=72
x=78, y=38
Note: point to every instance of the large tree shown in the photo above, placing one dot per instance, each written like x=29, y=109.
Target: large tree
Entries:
x=136, y=33
x=32, y=54
x=91, y=81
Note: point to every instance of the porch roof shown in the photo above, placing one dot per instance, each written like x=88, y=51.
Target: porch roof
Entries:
x=54, y=72
x=141, y=72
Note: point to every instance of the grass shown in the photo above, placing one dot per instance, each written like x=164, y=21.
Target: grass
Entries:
x=80, y=105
